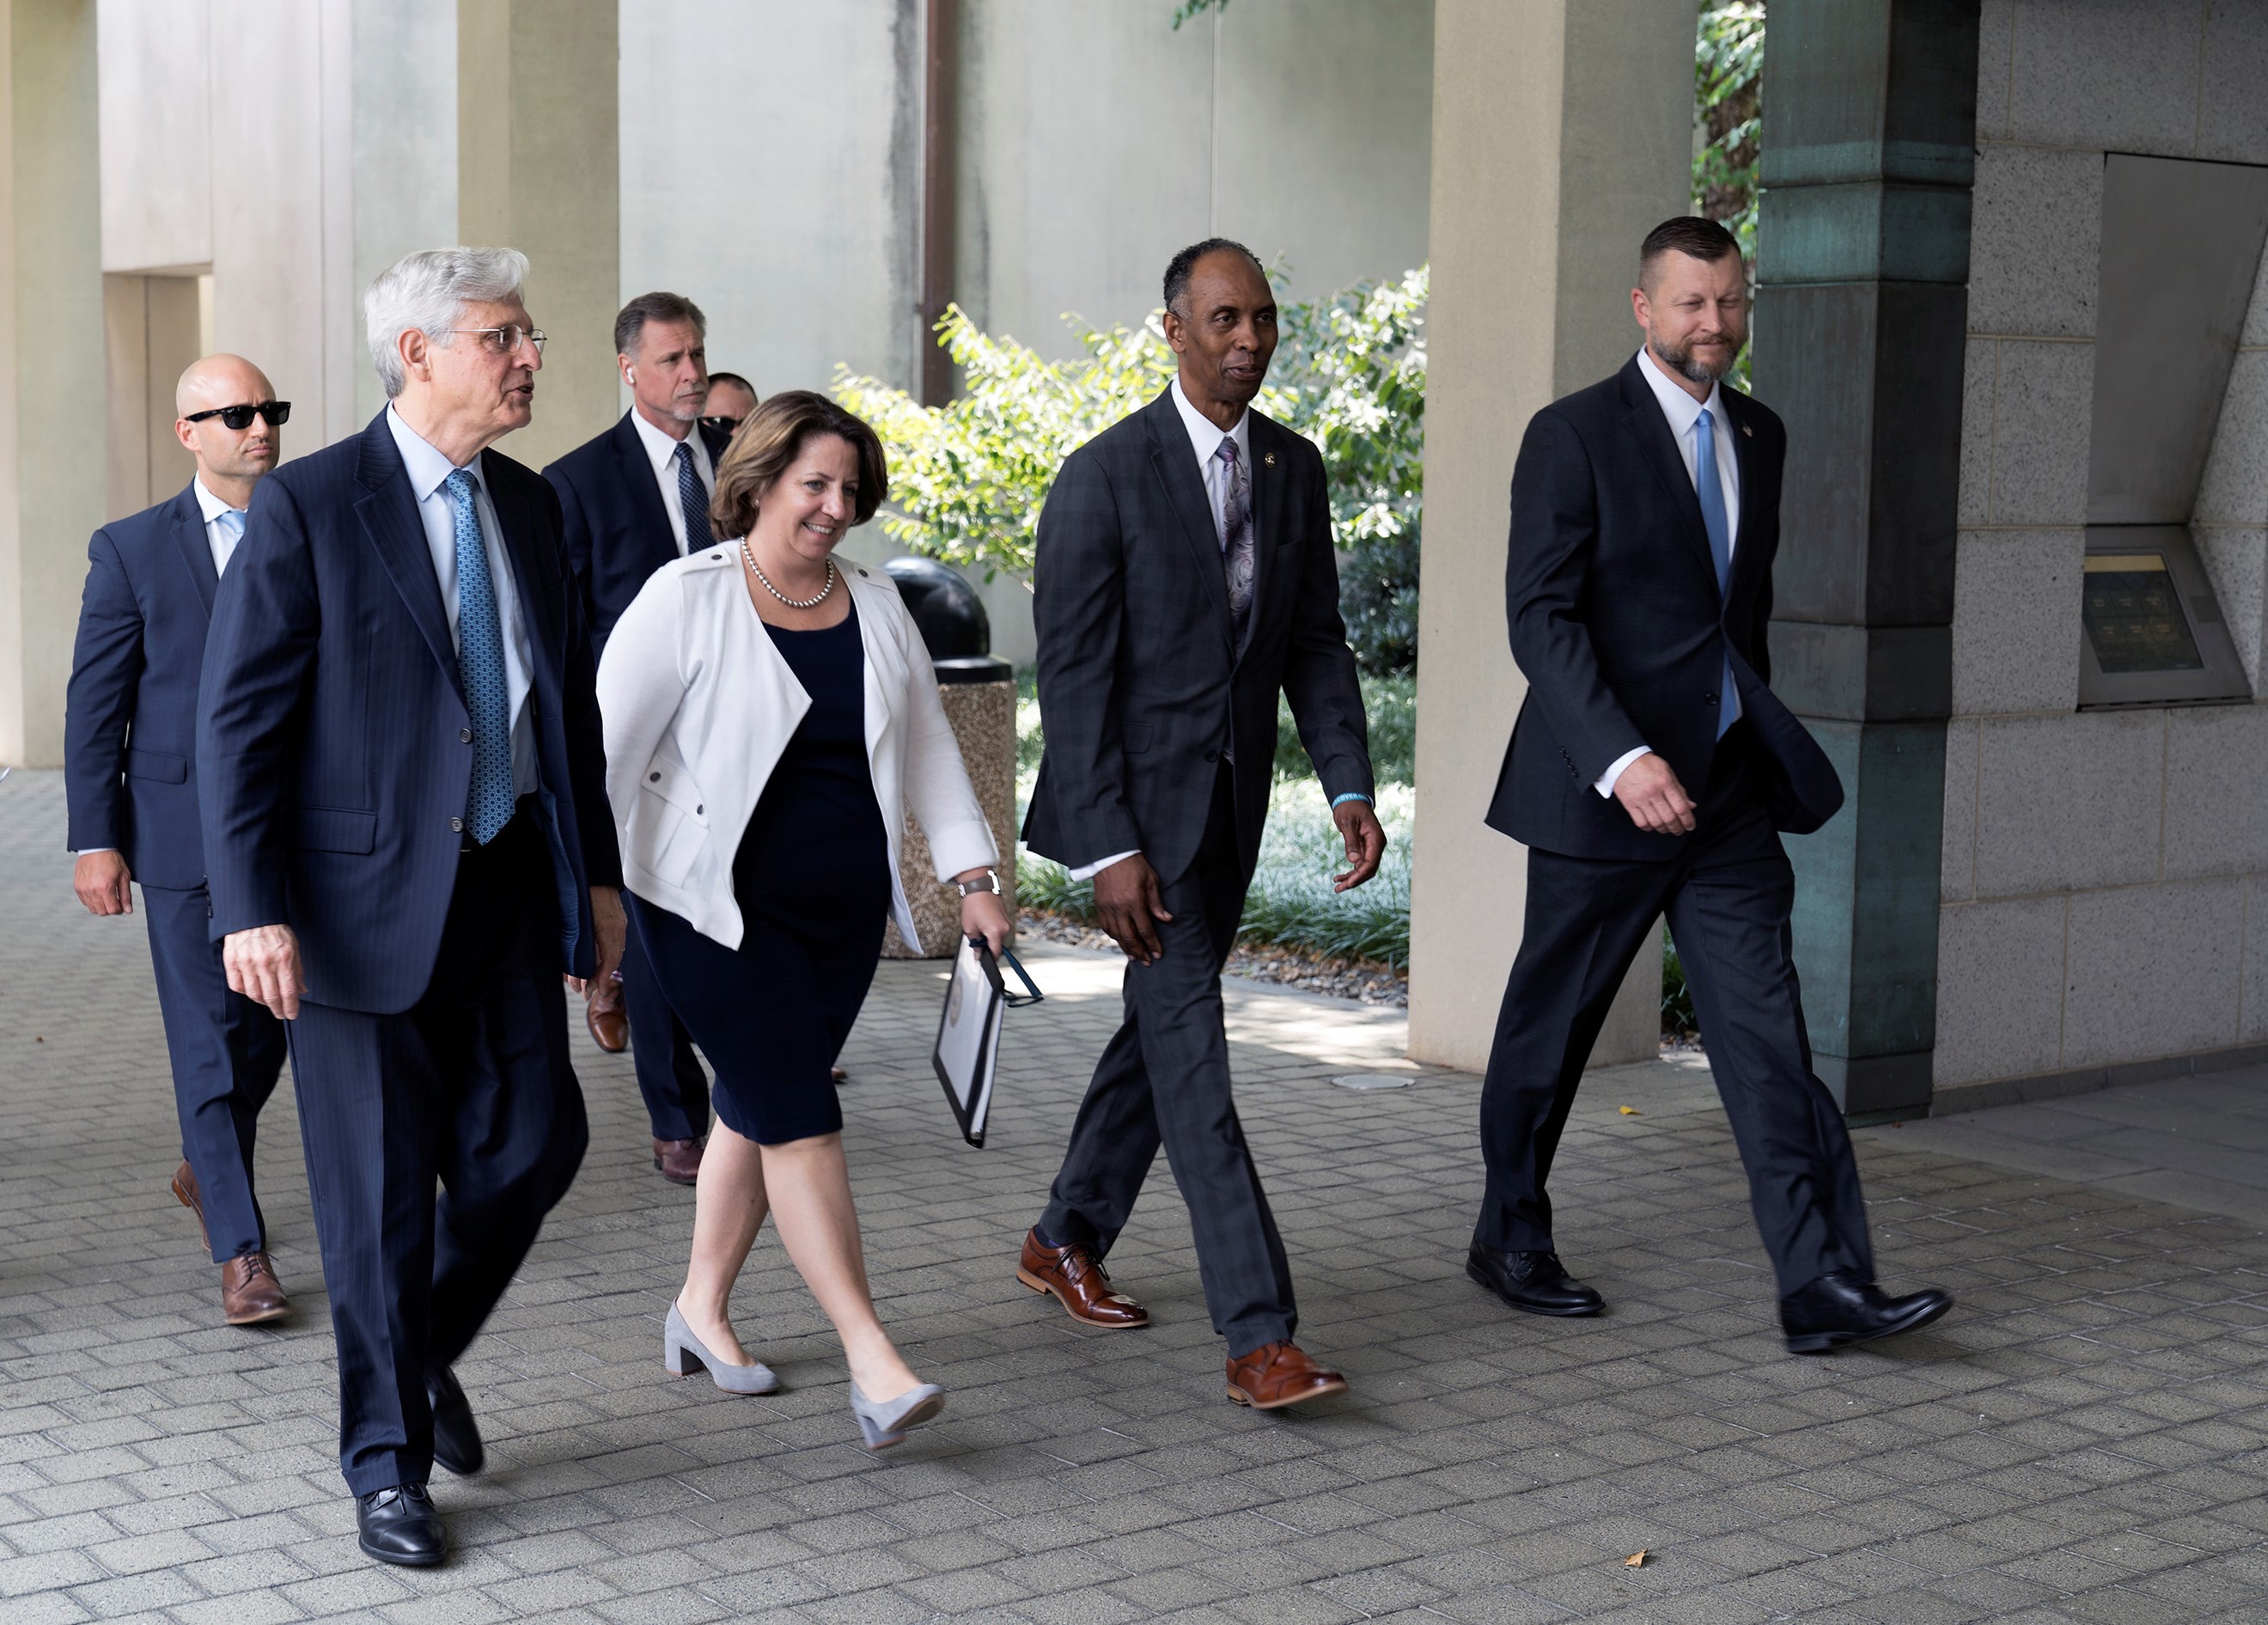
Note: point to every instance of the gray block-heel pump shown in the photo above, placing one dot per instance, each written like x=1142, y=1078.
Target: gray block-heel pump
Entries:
x=680, y=1347
x=885, y=1422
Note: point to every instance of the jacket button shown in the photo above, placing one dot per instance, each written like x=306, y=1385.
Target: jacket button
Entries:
x=653, y=778
x=465, y=736
x=1212, y=755
x=1712, y=699
x=457, y=825
x=698, y=808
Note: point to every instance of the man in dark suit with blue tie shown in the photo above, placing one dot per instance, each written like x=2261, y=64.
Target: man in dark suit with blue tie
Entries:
x=407, y=832
x=632, y=499
x=131, y=776
x=1645, y=520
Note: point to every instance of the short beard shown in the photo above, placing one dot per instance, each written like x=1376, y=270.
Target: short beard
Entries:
x=1681, y=363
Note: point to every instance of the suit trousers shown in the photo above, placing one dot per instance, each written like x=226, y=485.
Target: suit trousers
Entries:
x=1728, y=895
x=226, y=1053
x=1164, y=1079
x=471, y=1086
x=669, y=1075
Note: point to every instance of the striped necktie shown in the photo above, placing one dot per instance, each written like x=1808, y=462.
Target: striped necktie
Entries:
x=692, y=500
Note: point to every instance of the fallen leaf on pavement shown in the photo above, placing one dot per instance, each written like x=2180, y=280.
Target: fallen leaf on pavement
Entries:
x=1636, y=1560
x=1629, y=1110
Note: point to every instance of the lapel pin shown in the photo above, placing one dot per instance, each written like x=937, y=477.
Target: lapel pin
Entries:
x=1751, y=433
x=1269, y=458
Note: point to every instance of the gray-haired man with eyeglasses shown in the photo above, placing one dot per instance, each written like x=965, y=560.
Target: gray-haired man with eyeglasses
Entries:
x=405, y=825
x=131, y=776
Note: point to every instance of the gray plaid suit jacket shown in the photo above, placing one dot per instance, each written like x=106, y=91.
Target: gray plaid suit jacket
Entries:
x=1140, y=691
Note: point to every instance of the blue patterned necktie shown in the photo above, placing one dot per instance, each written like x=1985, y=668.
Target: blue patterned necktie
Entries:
x=480, y=666
x=1710, y=486
x=1236, y=539
x=693, y=501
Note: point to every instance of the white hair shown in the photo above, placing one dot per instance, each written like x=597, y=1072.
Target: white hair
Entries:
x=428, y=291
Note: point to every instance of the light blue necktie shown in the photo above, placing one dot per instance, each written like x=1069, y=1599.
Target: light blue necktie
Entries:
x=480, y=666
x=232, y=526
x=1710, y=486
x=692, y=501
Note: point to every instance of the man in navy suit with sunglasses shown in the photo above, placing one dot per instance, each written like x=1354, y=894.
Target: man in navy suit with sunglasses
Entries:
x=130, y=779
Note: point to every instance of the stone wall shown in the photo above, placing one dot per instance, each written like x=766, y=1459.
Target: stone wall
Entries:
x=2105, y=892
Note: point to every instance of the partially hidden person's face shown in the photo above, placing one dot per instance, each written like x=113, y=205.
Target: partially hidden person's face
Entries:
x=1694, y=313
x=222, y=451
x=729, y=403
x=484, y=377
x=808, y=509
x=669, y=371
x=1227, y=336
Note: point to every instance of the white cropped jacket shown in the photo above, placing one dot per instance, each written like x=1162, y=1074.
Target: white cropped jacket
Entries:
x=699, y=705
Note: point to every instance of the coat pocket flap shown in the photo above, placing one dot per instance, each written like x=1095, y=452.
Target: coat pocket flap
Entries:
x=161, y=765
x=670, y=781
x=332, y=828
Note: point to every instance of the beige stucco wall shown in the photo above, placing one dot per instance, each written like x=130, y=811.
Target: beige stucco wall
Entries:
x=1562, y=133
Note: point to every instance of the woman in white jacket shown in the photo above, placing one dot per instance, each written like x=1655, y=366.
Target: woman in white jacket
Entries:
x=770, y=717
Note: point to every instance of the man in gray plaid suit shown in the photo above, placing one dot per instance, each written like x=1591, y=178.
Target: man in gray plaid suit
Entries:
x=1185, y=578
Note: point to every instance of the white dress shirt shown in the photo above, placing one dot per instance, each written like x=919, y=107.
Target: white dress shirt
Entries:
x=661, y=451
x=1205, y=437
x=429, y=471
x=1683, y=411
x=217, y=536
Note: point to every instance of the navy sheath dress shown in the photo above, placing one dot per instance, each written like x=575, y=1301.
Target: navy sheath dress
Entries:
x=812, y=878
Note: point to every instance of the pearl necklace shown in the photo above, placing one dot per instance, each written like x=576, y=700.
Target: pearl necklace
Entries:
x=812, y=602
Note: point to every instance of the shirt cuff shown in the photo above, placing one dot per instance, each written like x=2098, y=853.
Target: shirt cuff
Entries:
x=1605, y=783
x=1089, y=871
x=88, y=851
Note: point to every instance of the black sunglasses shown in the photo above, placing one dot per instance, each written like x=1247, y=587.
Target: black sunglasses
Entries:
x=276, y=412
x=721, y=424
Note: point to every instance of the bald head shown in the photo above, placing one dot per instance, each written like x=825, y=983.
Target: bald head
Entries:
x=220, y=380
x=230, y=461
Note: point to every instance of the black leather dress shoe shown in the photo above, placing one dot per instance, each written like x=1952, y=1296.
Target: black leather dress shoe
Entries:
x=456, y=1437
x=1841, y=1308
x=398, y=1526
x=1534, y=1281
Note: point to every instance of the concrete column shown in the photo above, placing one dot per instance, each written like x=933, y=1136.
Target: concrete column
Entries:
x=538, y=169
x=1863, y=251
x=51, y=490
x=1563, y=133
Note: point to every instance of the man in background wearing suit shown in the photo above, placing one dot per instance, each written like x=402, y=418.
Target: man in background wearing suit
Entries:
x=406, y=823
x=633, y=500
x=1185, y=578
x=1651, y=770
x=131, y=774
x=730, y=398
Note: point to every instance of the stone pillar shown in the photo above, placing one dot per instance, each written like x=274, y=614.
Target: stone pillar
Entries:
x=983, y=718
x=51, y=488
x=1864, y=270
x=1563, y=133
x=539, y=170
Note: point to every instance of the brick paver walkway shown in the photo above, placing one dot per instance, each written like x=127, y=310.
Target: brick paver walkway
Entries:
x=2082, y=1440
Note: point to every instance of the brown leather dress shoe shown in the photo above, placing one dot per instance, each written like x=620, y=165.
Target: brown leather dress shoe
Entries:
x=249, y=1291
x=185, y=1192
x=679, y=1160
x=1274, y=1375
x=610, y=1027
x=1077, y=1278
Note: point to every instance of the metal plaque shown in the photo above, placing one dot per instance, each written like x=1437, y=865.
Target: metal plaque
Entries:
x=2152, y=633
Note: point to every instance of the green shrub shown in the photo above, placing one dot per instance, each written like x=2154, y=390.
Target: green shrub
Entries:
x=1390, y=701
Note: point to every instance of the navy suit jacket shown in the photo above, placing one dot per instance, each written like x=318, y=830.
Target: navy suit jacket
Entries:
x=1142, y=686
x=335, y=740
x=617, y=529
x=130, y=715
x=1618, y=626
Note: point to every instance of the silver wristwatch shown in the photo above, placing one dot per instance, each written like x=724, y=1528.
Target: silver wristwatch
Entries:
x=991, y=882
